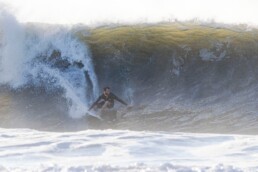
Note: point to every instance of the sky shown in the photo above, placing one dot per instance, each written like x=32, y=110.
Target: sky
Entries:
x=131, y=11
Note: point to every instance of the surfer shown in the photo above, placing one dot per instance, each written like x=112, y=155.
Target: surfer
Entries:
x=106, y=100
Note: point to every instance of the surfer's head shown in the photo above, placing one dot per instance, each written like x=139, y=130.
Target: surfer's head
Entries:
x=106, y=90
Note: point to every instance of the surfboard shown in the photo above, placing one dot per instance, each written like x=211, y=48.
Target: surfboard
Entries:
x=94, y=114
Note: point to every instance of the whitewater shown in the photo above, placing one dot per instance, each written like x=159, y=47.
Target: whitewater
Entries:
x=117, y=150
x=192, y=88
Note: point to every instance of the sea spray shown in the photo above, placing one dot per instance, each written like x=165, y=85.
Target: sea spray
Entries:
x=12, y=55
x=47, y=57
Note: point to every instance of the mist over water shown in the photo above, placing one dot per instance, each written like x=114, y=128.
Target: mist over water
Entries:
x=144, y=11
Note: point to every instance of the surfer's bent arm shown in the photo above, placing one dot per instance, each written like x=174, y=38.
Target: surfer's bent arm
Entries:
x=120, y=100
x=95, y=103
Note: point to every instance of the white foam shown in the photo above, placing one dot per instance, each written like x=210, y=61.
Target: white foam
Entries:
x=114, y=150
x=20, y=65
x=207, y=55
x=12, y=56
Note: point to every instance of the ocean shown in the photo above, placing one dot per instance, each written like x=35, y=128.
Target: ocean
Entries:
x=192, y=88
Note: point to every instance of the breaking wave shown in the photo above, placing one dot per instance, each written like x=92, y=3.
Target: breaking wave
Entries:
x=46, y=61
x=177, y=76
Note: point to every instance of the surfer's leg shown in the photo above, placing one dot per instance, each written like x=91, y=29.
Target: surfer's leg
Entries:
x=105, y=105
x=100, y=105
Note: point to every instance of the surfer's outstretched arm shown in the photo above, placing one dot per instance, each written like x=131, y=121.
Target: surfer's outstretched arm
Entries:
x=94, y=104
x=120, y=100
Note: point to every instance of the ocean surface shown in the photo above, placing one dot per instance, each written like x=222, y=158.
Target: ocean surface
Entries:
x=192, y=88
x=124, y=150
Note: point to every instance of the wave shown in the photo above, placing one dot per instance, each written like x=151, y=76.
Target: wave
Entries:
x=47, y=59
x=178, y=76
x=191, y=77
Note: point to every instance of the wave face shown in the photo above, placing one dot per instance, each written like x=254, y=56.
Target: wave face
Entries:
x=185, y=76
x=178, y=76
